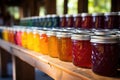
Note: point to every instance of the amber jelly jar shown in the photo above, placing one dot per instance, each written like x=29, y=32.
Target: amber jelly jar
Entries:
x=64, y=46
x=52, y=44
x=81, y=50
x=105, y=54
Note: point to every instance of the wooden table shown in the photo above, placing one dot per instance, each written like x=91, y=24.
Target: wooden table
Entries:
x=24, y=62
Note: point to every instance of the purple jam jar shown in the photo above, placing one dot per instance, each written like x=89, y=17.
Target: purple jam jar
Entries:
x=111, y=20
x=70, y=20
x=105, y=54
x=98, y=20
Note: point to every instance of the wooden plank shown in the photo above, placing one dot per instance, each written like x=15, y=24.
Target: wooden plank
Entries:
x=65, y=6
x=3, y=63
x=22, y=70
x=55, y=68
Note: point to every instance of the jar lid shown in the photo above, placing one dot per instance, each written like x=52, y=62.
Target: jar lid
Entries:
x=80, y=37
x=42, y=31
x=105, y=39
x=85, y=14
x=62, y=16
x=63, y=34
x=69, y=15
x=54, y=15
x=51, y=33
x=77, y=15
x=98, y=14
x=104, y=32
x=110, y=13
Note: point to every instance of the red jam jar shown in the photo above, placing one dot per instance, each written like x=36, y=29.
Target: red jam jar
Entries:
x=77, y=21
x=111, y=20
x=87, y=21
x=64, y=46
x=70, y=20
x=98, y=20
x=63, y=22
x=81, y=50
x=105, y=54
x=18, y=37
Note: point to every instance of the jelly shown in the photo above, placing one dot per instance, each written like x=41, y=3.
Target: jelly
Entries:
x=52, y=44
x=65, y=51
x=77, y=21
x=63, y=22
x=98, y=20
x=81, y=50
x=70, y=20
x=111, y=20
x=43, y=42
x=105, y=54
x=24, y=38
x=87, y=21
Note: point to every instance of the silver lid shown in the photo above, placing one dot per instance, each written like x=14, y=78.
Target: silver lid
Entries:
x=51, y=33
x=80, y=37
x=85, y=14
x=104, y=39
x=63, y=34
x=104, y=32
x=98, y=14
x=77, y=15
x=68, y=15
x=110, y=13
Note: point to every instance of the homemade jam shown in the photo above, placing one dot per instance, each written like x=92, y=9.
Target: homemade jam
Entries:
x=111, y=20
x=64, y=46
x=36, y=40
x=98, y=20
x=24, y=38
x=105, y=54
x=81, y=50
x=18, y=37
x=70, y=21
x=87, y=21
x=30, y=38
x=43, y=47
x=63, y=22
x=52, y=44
x=77, y=21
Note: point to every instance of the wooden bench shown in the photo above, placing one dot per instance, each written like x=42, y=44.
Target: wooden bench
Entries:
x=25, y=61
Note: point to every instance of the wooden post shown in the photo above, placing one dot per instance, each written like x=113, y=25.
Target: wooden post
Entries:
x=82, y=6
x=115, y=5
x=50, y=6
x=3, y=63
x=65, y=6
x=22, y=70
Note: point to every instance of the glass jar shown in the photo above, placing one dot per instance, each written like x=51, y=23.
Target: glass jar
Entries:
x=36, y=41
x=43, y=42
x=105, y=54
x=98, y=20
x=18, y=37
x=77, y=21
x=63, y=22
x=55, y=21
x=70, y=20
x=30, y=38
x=5, y=34
x=87, y=21
x=24, y=38
x=65, y=51
x=81, y=50
x=52, y=44
x=111, y=20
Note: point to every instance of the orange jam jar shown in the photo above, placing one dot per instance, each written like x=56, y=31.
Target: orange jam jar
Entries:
x=36, y=40
x=11, y=35
x=29, y=39
x=64, y=46
x=81, y=50
x=43, y=47
x=52, y=44
x=24, y=38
